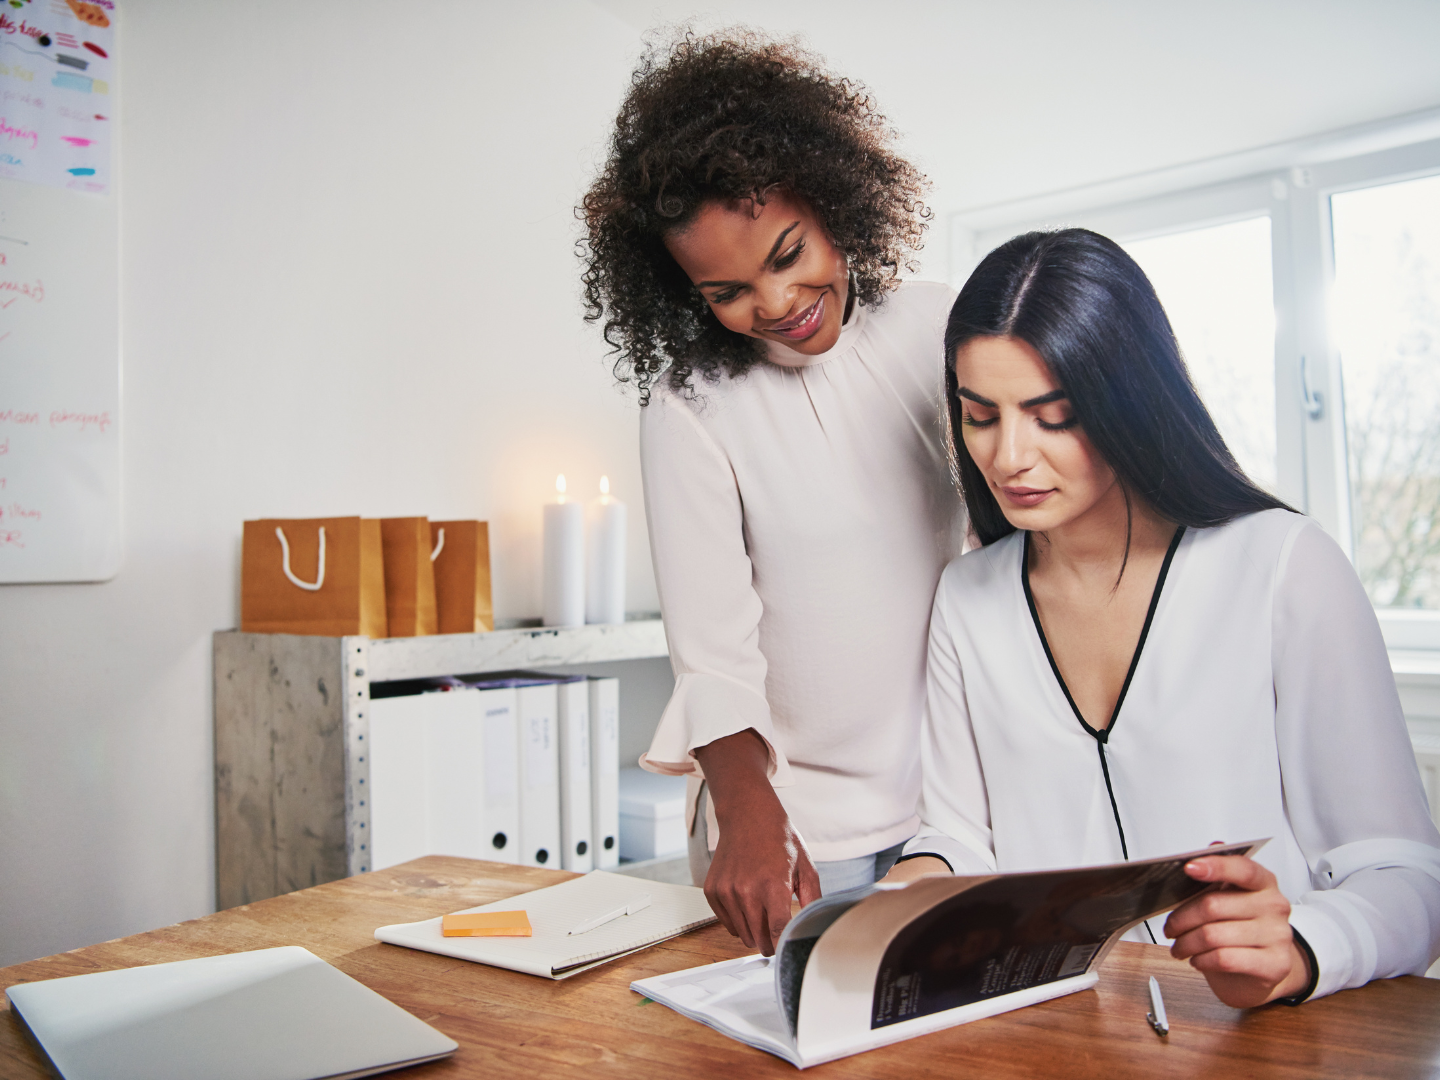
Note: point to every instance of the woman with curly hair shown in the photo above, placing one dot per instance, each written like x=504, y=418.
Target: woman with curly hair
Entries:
x=745, y=240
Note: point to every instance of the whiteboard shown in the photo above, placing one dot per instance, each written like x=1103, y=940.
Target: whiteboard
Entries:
x=59, y=384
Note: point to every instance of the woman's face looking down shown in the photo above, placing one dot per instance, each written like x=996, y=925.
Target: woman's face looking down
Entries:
x=768, y=271
x=1023, y=436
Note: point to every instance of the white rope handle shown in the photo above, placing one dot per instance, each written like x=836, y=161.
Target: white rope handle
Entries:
x=285, y=561
x=439, y=547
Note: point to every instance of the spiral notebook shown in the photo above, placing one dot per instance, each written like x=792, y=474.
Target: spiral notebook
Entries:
x=552, y=951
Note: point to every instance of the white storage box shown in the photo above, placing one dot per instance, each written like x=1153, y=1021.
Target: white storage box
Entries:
x=652, y=815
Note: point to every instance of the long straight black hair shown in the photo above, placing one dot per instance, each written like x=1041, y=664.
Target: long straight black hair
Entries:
x=1083, y=304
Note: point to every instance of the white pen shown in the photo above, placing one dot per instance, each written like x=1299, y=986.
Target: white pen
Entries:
x=1158, y=1020
x=639, y=903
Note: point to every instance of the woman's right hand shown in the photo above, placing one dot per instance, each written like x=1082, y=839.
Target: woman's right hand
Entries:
x=760, y=861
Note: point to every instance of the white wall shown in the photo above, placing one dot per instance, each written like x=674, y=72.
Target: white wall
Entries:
x=1004, y=100
x=348, y=288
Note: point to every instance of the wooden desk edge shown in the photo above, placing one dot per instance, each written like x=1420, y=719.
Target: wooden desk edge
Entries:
x=512, y=1024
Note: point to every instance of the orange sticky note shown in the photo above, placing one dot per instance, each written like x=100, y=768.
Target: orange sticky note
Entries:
x=486, y=924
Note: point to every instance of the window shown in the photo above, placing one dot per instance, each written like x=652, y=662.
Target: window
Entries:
x=1386, y=319
x=1215, y=285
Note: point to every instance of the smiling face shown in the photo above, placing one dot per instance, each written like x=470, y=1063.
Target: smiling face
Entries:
x=1021, y=433
x=767, y=271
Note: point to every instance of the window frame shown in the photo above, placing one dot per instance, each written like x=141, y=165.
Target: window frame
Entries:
x=1291, y=184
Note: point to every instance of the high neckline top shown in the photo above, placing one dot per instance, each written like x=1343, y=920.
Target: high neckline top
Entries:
x=799, y=519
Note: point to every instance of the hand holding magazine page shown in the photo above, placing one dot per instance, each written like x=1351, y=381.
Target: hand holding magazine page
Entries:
x=883, y=963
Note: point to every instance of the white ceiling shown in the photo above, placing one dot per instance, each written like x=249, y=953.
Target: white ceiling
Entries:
x=999, y=101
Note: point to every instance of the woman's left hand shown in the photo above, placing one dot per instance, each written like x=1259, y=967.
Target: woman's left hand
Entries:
x=1239, y=936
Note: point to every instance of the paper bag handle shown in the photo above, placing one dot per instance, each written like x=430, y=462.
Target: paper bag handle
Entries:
x=439, y=547
x=285, y=562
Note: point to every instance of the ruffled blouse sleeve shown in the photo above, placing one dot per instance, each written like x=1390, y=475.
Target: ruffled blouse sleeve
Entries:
x=707, y=596
x=1352, y=787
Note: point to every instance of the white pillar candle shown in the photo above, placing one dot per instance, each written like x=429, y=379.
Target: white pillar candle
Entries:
x=564, y=560
x=605, y=577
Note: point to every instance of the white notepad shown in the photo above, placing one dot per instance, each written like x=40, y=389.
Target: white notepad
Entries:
x=272, y=1014
x=552, y=951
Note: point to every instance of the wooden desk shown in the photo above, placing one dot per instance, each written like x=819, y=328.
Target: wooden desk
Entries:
x=513, y=1025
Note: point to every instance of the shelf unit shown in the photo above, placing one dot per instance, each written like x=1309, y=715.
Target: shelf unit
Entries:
x=291, y=730
x=291, y=737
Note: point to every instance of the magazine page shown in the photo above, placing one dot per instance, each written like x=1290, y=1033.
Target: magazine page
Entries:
x=735, y=997
x=945, y=944
x=755, y=999
x=797, y=942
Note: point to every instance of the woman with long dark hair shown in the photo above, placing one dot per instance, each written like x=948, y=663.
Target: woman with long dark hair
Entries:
x=744, y=244
x=1153, y=654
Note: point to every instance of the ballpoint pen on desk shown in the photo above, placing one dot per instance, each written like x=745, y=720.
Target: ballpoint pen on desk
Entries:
x=1158, y=1020
x=639, y=903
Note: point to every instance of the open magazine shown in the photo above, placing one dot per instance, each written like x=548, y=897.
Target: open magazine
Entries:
x=883, y=963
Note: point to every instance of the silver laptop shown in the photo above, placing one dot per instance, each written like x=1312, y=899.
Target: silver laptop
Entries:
x=274, y=1014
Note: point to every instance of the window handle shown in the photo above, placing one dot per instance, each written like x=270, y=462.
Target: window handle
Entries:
x=1313, y=400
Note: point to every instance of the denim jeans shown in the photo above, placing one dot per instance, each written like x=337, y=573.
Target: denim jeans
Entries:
x=834, y=876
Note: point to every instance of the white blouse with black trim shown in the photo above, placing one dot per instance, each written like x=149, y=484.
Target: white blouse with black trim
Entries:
x=1261, y=704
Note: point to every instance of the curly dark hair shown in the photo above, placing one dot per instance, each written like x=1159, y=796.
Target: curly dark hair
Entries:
x=729, y=117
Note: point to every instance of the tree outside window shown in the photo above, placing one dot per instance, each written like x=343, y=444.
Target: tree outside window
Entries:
x=1387, y=323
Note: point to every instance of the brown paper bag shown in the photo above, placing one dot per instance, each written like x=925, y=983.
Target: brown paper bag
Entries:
x=278, y=580
x=462, y=576
x=409, y=577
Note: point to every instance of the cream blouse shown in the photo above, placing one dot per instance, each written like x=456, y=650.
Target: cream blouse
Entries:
x=800, y=518
x=1262, y=705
